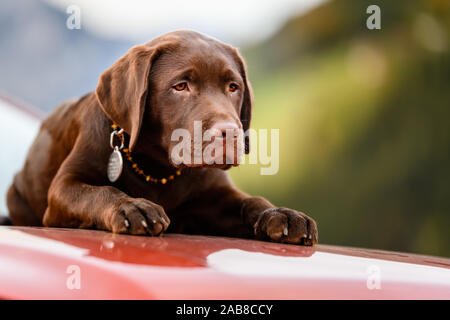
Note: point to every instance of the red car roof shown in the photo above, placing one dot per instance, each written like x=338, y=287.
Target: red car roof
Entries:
x=39, y=263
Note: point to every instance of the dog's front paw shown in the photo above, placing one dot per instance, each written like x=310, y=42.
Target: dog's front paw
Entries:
x=286, y=225
x=138, y=216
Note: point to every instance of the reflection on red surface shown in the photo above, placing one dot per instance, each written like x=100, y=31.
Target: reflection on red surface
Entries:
x=166, y=250
x=34, y=264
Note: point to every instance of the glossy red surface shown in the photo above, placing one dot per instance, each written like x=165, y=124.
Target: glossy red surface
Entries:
x=34, y=264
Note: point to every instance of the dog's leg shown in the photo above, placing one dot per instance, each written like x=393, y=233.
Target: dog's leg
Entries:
x=229, y=212
x=76, y=204
x=20, y=212
x=79, y=197
x=278, y=224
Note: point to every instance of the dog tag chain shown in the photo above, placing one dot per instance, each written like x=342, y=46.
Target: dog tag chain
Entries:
x=115, y=163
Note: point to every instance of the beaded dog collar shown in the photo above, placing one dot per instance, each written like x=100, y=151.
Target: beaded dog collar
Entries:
x=115, y=163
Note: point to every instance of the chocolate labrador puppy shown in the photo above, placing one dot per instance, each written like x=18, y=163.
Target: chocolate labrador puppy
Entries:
x=155, y=88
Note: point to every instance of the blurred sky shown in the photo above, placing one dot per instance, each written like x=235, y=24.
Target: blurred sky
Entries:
x=235, y=21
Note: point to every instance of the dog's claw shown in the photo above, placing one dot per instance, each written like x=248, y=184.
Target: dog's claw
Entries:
x=255, y=228
x=285, y=231
x=127, y=223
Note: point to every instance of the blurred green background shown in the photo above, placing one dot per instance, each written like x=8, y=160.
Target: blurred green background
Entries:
x=364, y=123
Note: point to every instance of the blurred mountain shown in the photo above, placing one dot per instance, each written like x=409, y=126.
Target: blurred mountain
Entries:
x=42, y=61
x=364, y=122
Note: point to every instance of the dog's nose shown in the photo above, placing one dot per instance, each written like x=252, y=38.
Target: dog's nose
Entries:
x=221, y=128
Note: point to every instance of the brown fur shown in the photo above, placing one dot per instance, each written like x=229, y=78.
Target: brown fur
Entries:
x=64, y=182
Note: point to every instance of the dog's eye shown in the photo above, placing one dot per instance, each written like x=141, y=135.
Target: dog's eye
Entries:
x=180, y=86
x=233, y=87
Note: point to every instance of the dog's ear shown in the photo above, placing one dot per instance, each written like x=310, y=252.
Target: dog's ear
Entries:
x=122, y=89
x=247, y=103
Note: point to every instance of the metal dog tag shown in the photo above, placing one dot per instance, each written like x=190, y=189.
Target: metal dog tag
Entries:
x=115, y=165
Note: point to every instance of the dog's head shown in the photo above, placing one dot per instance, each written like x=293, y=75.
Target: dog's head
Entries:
x=181, y=80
